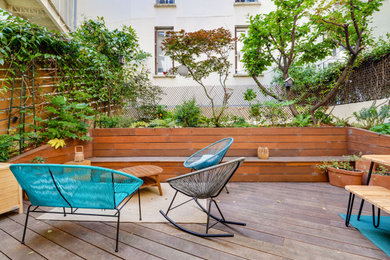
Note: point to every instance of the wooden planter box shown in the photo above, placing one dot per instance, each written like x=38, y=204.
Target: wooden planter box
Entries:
x=380, y=180
x=10, y=191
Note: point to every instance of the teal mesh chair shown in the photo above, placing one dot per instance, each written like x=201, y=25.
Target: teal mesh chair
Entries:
x=72, y=187
x=210, y=155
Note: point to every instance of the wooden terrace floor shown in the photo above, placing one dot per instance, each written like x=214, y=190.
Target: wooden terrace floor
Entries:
x=284, y=221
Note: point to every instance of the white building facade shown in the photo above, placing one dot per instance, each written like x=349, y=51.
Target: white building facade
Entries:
x=152, y=18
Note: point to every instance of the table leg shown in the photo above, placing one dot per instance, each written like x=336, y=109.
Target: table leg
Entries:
x=368, y=182
x=158, y=184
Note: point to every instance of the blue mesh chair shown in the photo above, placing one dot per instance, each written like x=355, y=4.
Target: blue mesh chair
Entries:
x=73, y=187
x=204, y=184
x=210, y=155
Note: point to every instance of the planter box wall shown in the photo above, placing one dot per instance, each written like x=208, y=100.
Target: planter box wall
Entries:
x=182, y=142
x=118, y=148
x=367, y=142
x=294, y=152
x=52, y=155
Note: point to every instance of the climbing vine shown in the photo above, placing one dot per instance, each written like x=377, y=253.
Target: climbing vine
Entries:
x=96, y=68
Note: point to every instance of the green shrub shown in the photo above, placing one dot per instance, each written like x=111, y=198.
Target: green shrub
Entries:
x=370, y=117
x=322, y=117
x=187, y=114
x=162, y=112
x=382, y=128
x=302, y=120
x=68, y=119
x=273, y=111
x=125, y=121
x=6, y=142
x=161, y=123
x=106, y=121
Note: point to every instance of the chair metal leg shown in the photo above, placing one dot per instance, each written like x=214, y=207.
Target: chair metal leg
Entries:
x=170, y=205
x=373, y=216
x=227, y=191
x=139, y=204
x=192, y=232
x=117, y=232
x=222, y=220
x=208, y=217
x=25, y=224
x=349, y=208
x=65, y=211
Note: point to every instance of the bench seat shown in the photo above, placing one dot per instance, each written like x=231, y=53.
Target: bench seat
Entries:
x=375, y=195
x=297, y=168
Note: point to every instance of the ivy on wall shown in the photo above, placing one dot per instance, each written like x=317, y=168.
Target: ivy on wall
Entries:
x=97, y=69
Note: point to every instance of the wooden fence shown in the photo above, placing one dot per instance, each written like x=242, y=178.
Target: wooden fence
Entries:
x=45, y=82
x=294, y=152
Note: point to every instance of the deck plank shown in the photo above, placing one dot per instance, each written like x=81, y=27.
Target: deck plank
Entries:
x=172, y=241
x=38, y=243
x=14, y=250
x=72, y=243
x=284, y=221
x=3, y=256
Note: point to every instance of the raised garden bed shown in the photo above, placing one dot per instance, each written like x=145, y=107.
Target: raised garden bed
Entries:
x=294, y=152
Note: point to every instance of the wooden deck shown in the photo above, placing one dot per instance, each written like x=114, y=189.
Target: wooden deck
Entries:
x=284, y=221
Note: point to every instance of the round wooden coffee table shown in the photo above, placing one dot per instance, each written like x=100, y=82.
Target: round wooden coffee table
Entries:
x=148, y=173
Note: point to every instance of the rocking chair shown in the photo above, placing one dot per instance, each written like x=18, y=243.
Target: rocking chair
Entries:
x=209, y=156
x=204, y=184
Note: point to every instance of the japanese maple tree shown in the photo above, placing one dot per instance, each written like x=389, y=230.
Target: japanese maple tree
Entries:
x=203, y=53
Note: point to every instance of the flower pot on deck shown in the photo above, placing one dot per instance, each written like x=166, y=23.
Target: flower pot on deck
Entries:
x=380, y=180
x=341, y=178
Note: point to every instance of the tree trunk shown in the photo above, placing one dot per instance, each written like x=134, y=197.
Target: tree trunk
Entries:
x=340, y=82
x=292, y=107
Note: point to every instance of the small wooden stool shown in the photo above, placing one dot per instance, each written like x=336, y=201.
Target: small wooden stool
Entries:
x=148, y=173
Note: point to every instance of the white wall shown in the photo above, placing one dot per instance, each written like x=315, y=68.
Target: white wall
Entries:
x=344, y=111
x=2, y=4
x=381, y=20
x=143, y=16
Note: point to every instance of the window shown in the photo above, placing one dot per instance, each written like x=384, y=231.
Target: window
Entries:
x=165, y=1
x=239, y=31
x=162, y=63
x=246, y=1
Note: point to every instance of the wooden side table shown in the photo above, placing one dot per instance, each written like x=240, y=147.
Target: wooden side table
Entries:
x=85, y=162
x=148, y=173
x=10, y=191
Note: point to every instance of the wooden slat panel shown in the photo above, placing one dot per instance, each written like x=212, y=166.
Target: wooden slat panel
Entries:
x=249, y=171
x=211, y=139
x=222, y=131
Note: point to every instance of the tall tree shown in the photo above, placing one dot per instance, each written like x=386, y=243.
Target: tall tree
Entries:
x=347, y=24
x=281, y=39
x=204, y=52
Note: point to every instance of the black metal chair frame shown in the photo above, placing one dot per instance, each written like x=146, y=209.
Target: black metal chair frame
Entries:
x=207, y=211
x=73, y=210
x=375, y=220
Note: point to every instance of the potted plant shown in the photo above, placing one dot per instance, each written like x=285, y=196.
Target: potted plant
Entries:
x=381, y=177
x=342, y=173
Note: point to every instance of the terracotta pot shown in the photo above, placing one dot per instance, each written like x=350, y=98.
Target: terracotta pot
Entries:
x=341, y=178
x=380, y=180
